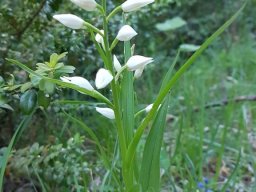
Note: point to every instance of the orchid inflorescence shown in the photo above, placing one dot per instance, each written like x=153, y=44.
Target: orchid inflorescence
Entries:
x=104, y=77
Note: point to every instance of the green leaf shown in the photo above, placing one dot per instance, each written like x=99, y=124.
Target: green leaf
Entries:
x=150, y=169
x=127, y=98
x=28, y=101
x=65, y=69
x=6, y=106
x=46, y=86
x=25, y=87
x=43, y=100
x=171, y=24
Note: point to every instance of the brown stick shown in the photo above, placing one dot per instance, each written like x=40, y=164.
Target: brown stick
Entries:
x=226, y=102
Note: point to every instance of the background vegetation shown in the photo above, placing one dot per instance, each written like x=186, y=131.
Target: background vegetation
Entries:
x=210, y=138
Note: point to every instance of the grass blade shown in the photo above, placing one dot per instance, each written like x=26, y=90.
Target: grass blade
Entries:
x=150, y=169
x=24, y=123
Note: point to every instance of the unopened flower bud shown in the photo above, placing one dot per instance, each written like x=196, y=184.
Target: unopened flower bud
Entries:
x=117, y=64
x=106, y=112
x=79, y=81
x=135, y=62
x=126, y=33
x=69, y=20
x=99, y=38
x=103, y=78
x=133, y=5
x=88, y=5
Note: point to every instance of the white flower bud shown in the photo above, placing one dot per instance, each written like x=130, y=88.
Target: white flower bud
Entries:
x=135, y=62
x=133, y=5
x=79, y=81
x=99, y=38
x=88, y=5
x=117, y=64
x=106, y=112
x=103, y=78
x=126, y=33
x=148, y=108
x=69, y=20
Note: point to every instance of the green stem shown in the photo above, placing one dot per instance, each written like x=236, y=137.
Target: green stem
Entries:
x=115, y=11
x=114, y=43
x=95, y=29
x=120, y=72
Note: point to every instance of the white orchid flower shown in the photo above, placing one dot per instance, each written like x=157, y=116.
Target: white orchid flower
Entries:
x=133, y=5
x=99, y=38
x=117, y=64
x=103, y=78
x=69, y=20
x=126, y=33
x=106, y=112
x=137, y=61
x=88, y=5
x=79, y=81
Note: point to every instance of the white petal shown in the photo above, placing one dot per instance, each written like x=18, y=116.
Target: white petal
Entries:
x=103, y=78
x=117, y=64
x=69, y=20
x=133, y=5
x=135, y=62
x=106, y=112
x=79, y=81
x=99, y=38
x=148, y=108
x=88, y=5
x=126, y=33
x=138, y=72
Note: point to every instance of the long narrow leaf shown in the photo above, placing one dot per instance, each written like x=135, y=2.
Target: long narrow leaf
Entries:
x=150, y=169
x=127, y=98
x=132, y=147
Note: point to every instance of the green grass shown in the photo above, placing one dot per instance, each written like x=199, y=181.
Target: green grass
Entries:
x=211, y=139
